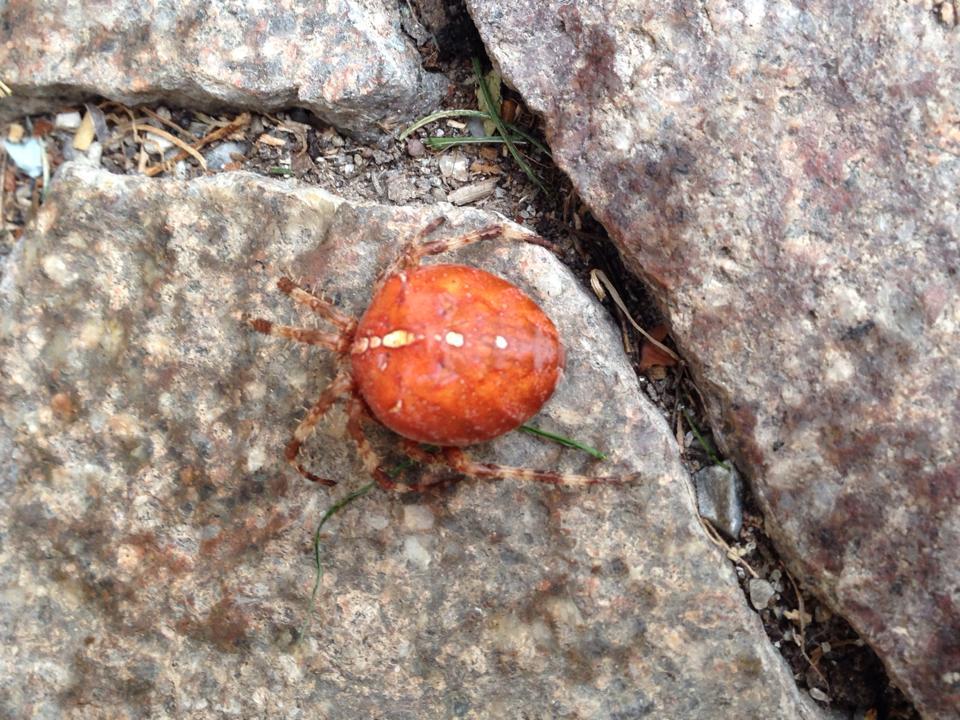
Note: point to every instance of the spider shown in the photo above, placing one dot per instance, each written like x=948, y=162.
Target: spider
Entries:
x=445, y=355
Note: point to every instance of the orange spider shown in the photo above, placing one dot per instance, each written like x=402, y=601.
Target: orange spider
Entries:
x=447, y=355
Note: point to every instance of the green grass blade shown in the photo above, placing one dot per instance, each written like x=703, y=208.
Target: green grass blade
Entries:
x=566, y=442
x=318, y=565
x=529, y=138
x=443, y=142
x=707, y=446
x=440, y=115
x=502, y=128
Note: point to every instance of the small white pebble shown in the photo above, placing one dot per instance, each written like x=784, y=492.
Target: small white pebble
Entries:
x=415, y=552
x=94, y=153
x=56, y=269
x=157, y=145
x=417, y=517
x=67, y=121
x=947, y=15
x=761, y=593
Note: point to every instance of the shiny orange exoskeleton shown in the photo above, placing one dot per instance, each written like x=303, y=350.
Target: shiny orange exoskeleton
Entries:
x=447, y=355
x=453, y=356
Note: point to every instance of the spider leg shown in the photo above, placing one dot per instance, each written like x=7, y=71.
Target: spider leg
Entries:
x=356, y=414
x=427, y=229
x=337, y=387
x=417, y=249
x=332, y=341
x=320, y=306
x=458, y=461
x=368, y=456
x=461, y=463
x=415, y=452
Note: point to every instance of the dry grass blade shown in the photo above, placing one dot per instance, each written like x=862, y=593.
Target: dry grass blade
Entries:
x=45, y=164
x=169, y=137
x=601, y=286
x=240, y=121
x=169, y=123
x=731, y=554
x=83, y=137
x=3, y=197
x=802, y=624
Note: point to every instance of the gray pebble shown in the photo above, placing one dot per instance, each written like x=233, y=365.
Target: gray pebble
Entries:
x=415, y=148
x=220, y=155
x=761, y=592
x=67, y=121
x=720, y=498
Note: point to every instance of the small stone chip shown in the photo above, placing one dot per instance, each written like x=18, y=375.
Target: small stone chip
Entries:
x=761, y=592
x=472, y=192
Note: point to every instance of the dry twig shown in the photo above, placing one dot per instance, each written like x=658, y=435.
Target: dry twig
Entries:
x=601, y=286
x=731, y=554
x=240, y=121
x=801, y=640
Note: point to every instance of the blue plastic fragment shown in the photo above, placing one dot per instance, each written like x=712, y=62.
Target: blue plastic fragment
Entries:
x=26, y=155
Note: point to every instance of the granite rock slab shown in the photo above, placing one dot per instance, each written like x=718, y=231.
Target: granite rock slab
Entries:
x=784, y=177
x=348, y=61
x=156, y=549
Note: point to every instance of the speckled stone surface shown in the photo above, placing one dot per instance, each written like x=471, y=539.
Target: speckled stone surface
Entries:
x=346, y=60
x=784, y=175
x=155, y=549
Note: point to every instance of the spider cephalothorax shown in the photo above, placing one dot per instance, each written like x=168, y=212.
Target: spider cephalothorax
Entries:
x=445, y=354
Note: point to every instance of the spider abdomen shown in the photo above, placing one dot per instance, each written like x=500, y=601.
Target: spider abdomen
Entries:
x=451, y=355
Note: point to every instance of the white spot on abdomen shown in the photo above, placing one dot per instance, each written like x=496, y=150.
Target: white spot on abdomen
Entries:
x=454, y=338
x=500, y=342
x=398, y=338
x=393, y=339
x=360, y=346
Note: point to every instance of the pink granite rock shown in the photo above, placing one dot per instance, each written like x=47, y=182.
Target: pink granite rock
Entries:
x=155, y=547
x=785, y=177
x=346, y=60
